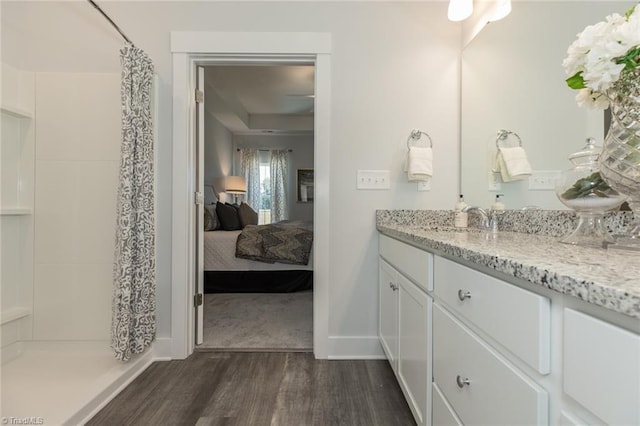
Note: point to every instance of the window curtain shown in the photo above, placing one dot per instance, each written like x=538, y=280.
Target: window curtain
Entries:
x=250, y=169
x=279, y=169
x=133, y=325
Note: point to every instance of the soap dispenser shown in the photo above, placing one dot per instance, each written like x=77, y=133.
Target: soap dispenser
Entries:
x=460, y=218
x=497, y=204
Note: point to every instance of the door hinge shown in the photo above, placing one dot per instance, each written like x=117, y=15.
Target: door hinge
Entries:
x=198, y=198
x=199, y=96
x=197, y=299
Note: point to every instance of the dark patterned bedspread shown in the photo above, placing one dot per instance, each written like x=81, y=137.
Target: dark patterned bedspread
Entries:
x=283, y=242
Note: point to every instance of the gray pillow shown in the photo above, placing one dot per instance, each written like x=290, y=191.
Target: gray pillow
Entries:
x=228, y=216
x=247, y=215
x=211, y=222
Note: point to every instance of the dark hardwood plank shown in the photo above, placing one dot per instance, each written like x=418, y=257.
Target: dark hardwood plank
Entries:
x=255, y=389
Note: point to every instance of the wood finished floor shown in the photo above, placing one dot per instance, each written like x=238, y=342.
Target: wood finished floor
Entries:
x=254, y=389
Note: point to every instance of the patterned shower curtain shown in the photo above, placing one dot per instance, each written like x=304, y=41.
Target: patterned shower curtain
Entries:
x=250, y=169
x=279, y=180
x=133, y=324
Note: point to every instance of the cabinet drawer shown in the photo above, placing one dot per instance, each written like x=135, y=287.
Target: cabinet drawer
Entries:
x=414, y=263
x=494, y=306
x=601, y=368
x=443, y=414
x=497, y=393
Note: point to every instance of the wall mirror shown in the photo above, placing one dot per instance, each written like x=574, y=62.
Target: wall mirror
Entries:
x=513, y=79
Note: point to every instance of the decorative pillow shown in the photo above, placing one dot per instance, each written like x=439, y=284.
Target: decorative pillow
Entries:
x=247, y=215
x=211, y=222
x=228, y=216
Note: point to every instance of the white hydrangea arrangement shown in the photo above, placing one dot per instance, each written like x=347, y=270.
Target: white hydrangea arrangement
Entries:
x=601, y=54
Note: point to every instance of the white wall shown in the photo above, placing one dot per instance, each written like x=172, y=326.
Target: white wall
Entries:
x=218, y=154
x=301, y=157
x=394, y=68
x=77, y=164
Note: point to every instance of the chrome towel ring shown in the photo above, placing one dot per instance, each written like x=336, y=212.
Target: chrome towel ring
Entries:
x=416, y=135
x=503, y=136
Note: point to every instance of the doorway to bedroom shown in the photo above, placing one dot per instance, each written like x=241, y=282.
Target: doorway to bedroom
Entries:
x=257, y=227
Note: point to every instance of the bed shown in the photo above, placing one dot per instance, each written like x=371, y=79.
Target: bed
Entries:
x=224, y=272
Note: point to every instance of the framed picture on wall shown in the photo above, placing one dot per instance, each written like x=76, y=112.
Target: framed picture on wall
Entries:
x=304, y=183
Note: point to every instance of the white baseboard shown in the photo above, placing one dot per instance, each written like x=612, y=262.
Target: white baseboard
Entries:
x=355, y=347
x=157, y=352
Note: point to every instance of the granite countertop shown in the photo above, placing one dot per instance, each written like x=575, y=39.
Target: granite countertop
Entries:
x=607, y=278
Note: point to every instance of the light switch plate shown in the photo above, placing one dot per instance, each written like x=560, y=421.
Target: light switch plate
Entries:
x=543, y=180
x=373, y=179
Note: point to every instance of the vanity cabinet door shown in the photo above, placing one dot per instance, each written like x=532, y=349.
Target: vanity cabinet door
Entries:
x=388, y=314
x=601, y=368
x=414, y=348
x=482, y=387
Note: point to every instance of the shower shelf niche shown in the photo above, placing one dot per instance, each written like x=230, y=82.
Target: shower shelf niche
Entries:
x=13, y=314
x=17, y=171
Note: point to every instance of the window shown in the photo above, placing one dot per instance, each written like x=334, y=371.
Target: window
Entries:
x=264, y=209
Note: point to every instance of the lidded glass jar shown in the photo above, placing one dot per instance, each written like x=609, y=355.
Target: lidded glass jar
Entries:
x=582, y=189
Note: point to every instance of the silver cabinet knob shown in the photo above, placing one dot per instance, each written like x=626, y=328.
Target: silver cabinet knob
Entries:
x=393, y=286
x=462, y=382
x=464, y=295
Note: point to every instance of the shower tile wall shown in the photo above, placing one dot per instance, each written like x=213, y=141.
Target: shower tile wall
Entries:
x=77, y=160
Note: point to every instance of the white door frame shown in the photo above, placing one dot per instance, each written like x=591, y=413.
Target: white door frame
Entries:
x=188, y=49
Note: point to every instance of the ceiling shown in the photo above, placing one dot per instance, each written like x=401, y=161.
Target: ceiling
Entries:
x=261, y=98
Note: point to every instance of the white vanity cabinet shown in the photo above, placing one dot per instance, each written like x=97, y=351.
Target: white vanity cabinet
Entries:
x=483, y=350
x=405, y=321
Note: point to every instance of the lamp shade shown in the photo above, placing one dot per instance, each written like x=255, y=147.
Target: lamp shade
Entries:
x=236, y=185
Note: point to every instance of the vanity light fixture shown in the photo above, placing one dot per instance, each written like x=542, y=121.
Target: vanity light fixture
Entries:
x=502, y=10
x=459, y=10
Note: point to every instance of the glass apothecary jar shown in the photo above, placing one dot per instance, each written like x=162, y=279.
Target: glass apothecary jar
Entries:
x=582, y=189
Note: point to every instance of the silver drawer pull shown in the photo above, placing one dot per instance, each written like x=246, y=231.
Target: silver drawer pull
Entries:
x=464, y=295
x=461, y=382
x=393, y=287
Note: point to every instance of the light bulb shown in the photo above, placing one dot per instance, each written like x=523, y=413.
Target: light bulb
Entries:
x=459, y=10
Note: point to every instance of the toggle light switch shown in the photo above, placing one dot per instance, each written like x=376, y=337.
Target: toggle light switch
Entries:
x=373, y=179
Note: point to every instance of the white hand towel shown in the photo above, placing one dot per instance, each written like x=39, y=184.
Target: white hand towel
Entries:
x=512, y=164
x=419, y=165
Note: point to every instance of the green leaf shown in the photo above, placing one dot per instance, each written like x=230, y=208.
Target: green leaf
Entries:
x=629, y=12
x=576, y=81
x=631, y=59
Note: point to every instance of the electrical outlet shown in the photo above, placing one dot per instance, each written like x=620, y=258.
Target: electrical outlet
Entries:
x=373, y=179
x=424, y=185
x=543, y=180
x=494, y=182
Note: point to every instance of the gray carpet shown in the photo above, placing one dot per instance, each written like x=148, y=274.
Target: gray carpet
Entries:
x=251, y=321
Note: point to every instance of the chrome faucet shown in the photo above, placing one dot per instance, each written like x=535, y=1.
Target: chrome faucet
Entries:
x=489, y=220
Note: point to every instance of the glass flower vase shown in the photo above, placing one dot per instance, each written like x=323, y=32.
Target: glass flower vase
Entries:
x=620, y=158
